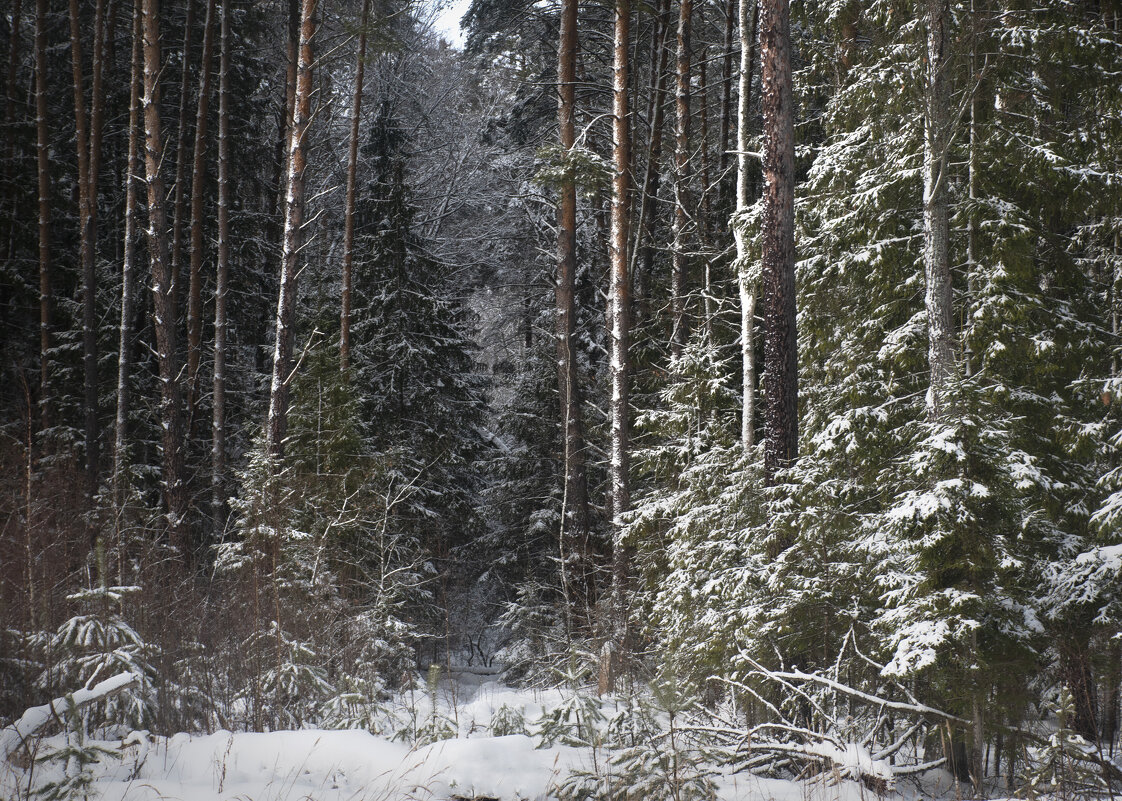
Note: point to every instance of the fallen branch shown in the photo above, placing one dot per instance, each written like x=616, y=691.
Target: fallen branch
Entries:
x=37, y=717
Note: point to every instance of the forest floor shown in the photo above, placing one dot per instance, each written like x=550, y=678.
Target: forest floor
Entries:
x=476, y=761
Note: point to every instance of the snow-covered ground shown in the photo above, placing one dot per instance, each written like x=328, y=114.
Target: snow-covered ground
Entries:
x=359, y=766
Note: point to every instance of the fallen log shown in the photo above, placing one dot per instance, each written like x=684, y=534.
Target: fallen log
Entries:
x=12, y=737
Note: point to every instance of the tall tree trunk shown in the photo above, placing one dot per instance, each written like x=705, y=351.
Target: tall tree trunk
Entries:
x=128, y=274
x=198, y=186
x=620, y=299
x=681, y=183
x=726, y=93
x=87, y=227
x=642, y=258
x=704, y=209
x=575, y=513
x=778, y=238
x=10, y=108
x=277, y=421
x=218, y=426
x=42, y=148
x=179, y=188
x=748, y=11
x=349, y=209
x=936, y=257
x=163, y=292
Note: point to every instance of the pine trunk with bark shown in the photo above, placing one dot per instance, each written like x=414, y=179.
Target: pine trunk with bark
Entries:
x=276, y=423
x=778, y=238
x=43, y=157
x=179, y=188
x=575, y=512
x=349, y=208
x=163, y=292
x=128, y=273
x=725, y=122
x=198, y=186
x=88, y=156
x=643, y=256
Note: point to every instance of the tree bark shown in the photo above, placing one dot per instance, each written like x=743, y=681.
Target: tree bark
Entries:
x=936, y=258
x=42, y=148
x=725, y=122
x=620, y=297
x=277, y=421
x=681, y=182
x=218, y=425
x=179, y=187
x=87, y=227
x=128, y=273
x=643, y=267
x=163, y=291
x=198, y=186
x=748, y=12
x=349, y=210
x=10, y=100
x=778, y=238
x=575, y=513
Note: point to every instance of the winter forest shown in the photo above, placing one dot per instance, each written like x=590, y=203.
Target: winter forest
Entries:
x=637, y=399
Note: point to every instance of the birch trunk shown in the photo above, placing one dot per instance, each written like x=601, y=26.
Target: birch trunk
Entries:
x=936, y=259
x=748, y=11
x=198, y=186
x=681, y=180
x=349, y=210
x=163, y=291
x=277, y=421
x=778, y=238
x=218, y=425
x=620, y=330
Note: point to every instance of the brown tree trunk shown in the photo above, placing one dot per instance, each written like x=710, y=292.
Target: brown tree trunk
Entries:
x=575, y=513
x=88, y=158
x=10, y=103
x=198, y=185
x=778, y=238
x=277, y=421
x=725, y=122
x=620, y=299
x=1076, y=662
x=128, y=274
x=218, y=426
x=179, y=188
x=681, y=184
x=936, y=257
x=349, y=210
x=643, y=267
x=163, y=295
x=42, y=148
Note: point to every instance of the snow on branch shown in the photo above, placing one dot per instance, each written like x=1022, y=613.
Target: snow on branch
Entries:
x=37, y=717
